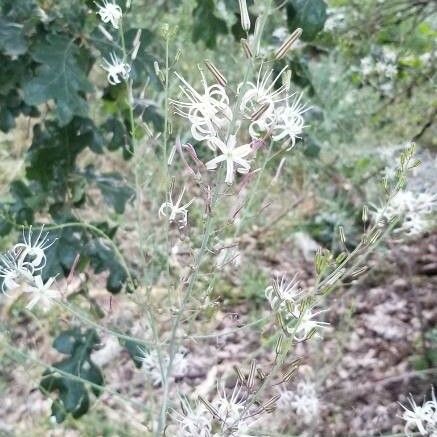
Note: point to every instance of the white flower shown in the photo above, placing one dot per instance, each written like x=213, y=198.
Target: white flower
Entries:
x=116, y=69
x=391, y=71
x=230, y=409
x=207, y=112
x=192, y=422
x=173, y=210
x=262, y=93
x=367, y=66
x=233, y=156
x=301, y=323
x=303, y=401
x=389, y=55
x=412, y=208
x=288, y=300
x=425, y=58
x=32, y=253
x=280, y=293
x=152, y=365
x=289, y=121
x=259, y=128
x=380, y=67
x=13, y=273
x=423, y=418
x=233, y=411
x=110, y=12
x=306, y=403
x=41, y=293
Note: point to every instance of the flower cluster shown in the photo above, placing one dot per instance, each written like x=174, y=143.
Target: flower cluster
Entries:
x=266, y=108
x=232, y=414
x=117, y=69
x=421, y=418
x=193, y=422
x=155, y=364
x=21, y=269
x=381, y=69
x=293, y=308
x=303, y=401
x=413, y=209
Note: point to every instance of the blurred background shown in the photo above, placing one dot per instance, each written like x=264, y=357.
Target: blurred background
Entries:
x=366, y=68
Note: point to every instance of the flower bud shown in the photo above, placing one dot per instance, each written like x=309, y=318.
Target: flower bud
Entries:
x=219, y=77
x=251, y=376
x=245, y=19
x=246, y=48
x=282, y=51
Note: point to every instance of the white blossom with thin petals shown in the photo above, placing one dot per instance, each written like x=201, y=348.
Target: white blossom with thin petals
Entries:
x=192, y=422
x=41, y=293
x=303, y=401
x=175, y=210
x=152, y=366
x=261, y=93
x=207, y=111
x=110, y=12
x=116, y=69
x=281, y=293
x=287, y=299
x=302, y=322
x=421, y=418
x=233, y=156
x=31, y=252
x=13, y=274
x=413, y=210
x=289, y=123
x=235, y=415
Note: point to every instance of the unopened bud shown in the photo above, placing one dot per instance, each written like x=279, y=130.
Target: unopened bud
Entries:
x=375, y=237
x=178, y=55
x=251, y=377
x=359, y=271
x=209, y=407
x=216, y=73
x=261, y=374
x=286, y=80
x=136, y=45
x=415, y=164
x=282, y=51
x=245, y=19
x=156, y=68
x=271, y=402
x=278, y=348
x=257, y=36
x=240, y=375
x=341, y=234
x=105, y=33
x=340, y=258
x=334, y=277
x=260, y=112
x=289, y=375
x=365, y=214
x=246, y=48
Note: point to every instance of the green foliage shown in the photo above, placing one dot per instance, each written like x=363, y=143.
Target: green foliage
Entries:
x=310, y=15
x=73, y=396
x=207, y=26
x=135, y=351
x=44, y=61
x=103, y=258
x=12, y=41
x=59, y=77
